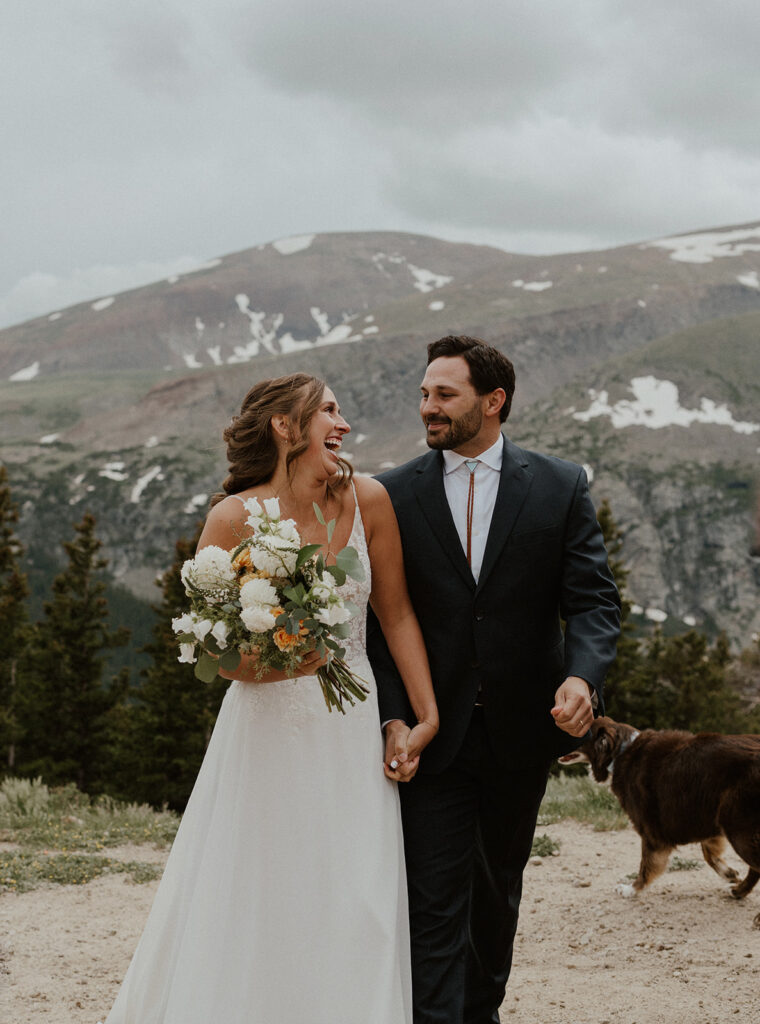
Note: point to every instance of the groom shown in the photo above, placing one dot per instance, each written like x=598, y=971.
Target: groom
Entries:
x=501, y=545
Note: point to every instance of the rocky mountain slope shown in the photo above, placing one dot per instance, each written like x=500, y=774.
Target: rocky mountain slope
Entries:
x=641, y=362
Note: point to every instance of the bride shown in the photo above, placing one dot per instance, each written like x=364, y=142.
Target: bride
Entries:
x=284, y=899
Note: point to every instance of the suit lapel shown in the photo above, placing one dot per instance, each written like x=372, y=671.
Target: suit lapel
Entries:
x=431, y=495
x=514, y=484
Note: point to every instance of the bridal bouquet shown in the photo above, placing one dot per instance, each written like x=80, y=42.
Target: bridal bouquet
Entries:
x=273, y=598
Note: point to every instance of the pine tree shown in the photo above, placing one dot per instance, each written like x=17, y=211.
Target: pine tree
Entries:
x=628, y=657
x=14, y=634
x=173, y=712
x=64, y=706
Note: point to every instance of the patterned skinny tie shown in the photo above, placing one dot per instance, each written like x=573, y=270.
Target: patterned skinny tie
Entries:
x=472, y=465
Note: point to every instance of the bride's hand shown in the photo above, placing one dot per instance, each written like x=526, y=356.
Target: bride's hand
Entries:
x=310, y=662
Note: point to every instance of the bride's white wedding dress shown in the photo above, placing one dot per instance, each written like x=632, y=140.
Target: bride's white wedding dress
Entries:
x=284, y=898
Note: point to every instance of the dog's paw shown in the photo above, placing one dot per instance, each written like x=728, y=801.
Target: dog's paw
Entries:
x=625, y=889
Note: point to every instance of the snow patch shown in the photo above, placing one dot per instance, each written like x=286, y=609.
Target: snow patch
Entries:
x=690, y=620
x=114, y=471
x=710, y=245
x=371, y=330
x=589, y=472
x=655, y=614
x=190, y=361
x=749, y=279
x=656, y=405
x=642, y=303
x=199, y=325
x=341, y=332
x=151, y=442
x=55, y=316
x=154, y=473
x=532, y=286
x=369, y=319
x=197, y=501
x=260, y=335
x=321, y=320
x=102, y=304
x=360, y=438
x=297, y=243
x=427, y=280
x=28, y=373
x=436, y=306
x=49, y=439
x=387, y=465
x=215, y=355
x=290, y=344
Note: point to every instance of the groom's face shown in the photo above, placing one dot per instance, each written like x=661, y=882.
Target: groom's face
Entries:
x=451, y=409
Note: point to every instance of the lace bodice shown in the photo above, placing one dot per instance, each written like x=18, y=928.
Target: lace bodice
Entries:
x=358, y=591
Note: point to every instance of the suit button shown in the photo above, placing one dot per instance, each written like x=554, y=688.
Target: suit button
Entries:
x=479, y=616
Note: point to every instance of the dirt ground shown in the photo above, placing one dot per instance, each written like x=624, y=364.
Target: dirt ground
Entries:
x=684, y=952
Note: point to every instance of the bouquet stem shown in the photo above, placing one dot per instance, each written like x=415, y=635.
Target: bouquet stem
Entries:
x=340, y=684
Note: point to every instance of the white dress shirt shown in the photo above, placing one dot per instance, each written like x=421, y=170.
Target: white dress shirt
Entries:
x=456, y=482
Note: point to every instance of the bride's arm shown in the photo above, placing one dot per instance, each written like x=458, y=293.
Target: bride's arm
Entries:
x=225, y=528
x=393, y=608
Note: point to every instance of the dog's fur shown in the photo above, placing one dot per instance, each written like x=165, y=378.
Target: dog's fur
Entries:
x=677, y=787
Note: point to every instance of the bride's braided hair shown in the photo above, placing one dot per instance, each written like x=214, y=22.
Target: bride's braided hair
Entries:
x=251, y=449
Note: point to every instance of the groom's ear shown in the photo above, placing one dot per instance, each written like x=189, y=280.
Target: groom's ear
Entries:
x=495, y=401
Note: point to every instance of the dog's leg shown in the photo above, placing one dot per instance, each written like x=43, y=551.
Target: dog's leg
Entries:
x=712, y=850
x=654, y=860
x=740, y=891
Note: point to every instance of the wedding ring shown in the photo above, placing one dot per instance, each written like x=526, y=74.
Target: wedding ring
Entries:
x=394, y=764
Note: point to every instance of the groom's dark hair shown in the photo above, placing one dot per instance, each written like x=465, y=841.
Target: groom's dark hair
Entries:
x=489, y=368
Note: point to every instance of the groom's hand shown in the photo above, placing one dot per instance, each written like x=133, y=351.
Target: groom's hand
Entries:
x=397, y=765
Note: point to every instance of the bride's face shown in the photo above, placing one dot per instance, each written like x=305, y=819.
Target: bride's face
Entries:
x=327, y=429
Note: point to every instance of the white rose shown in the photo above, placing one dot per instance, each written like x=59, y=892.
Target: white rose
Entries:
x=258, y=618
x=211, y=570
x=324, y=589
x=286, y=529
x=184, y=623
x=333, y=614
x=258, y=592
x=187, y=653
x=275, y=556
x=219, y=632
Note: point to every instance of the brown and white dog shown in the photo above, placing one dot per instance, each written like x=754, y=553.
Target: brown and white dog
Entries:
x=677, y=787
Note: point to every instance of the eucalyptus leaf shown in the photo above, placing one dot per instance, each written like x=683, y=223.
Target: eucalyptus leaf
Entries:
x=306, y=553
x=230, y=660
x=348, y=561
x=338, y=574
x=330, y=529
x=206, y=668
x=318, y=514
x=341, y=629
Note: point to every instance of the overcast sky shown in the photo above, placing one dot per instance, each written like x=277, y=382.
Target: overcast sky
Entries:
x=140, y=137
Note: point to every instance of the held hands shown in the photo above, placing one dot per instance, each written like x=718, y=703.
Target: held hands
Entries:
x=403, y=747
x=572, y=711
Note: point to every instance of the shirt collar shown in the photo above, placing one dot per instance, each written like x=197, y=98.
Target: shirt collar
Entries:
x=491, y=457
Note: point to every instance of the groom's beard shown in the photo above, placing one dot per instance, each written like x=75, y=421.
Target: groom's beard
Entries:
x=460, y=431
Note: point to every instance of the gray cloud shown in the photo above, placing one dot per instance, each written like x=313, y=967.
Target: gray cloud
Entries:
x=137, y=134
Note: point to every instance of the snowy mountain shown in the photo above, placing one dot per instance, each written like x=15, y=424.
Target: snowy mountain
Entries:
x=641, y=362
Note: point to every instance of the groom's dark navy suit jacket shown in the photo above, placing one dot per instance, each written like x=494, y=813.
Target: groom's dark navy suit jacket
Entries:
x=545, y=563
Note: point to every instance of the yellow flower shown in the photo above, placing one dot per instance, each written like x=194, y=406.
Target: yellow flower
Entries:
x=284, y=640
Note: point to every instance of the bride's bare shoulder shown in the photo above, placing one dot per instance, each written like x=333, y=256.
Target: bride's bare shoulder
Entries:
x=225, y=524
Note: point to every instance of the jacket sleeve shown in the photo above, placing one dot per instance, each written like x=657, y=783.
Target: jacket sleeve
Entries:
x=391, y=694
x=589, y=600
